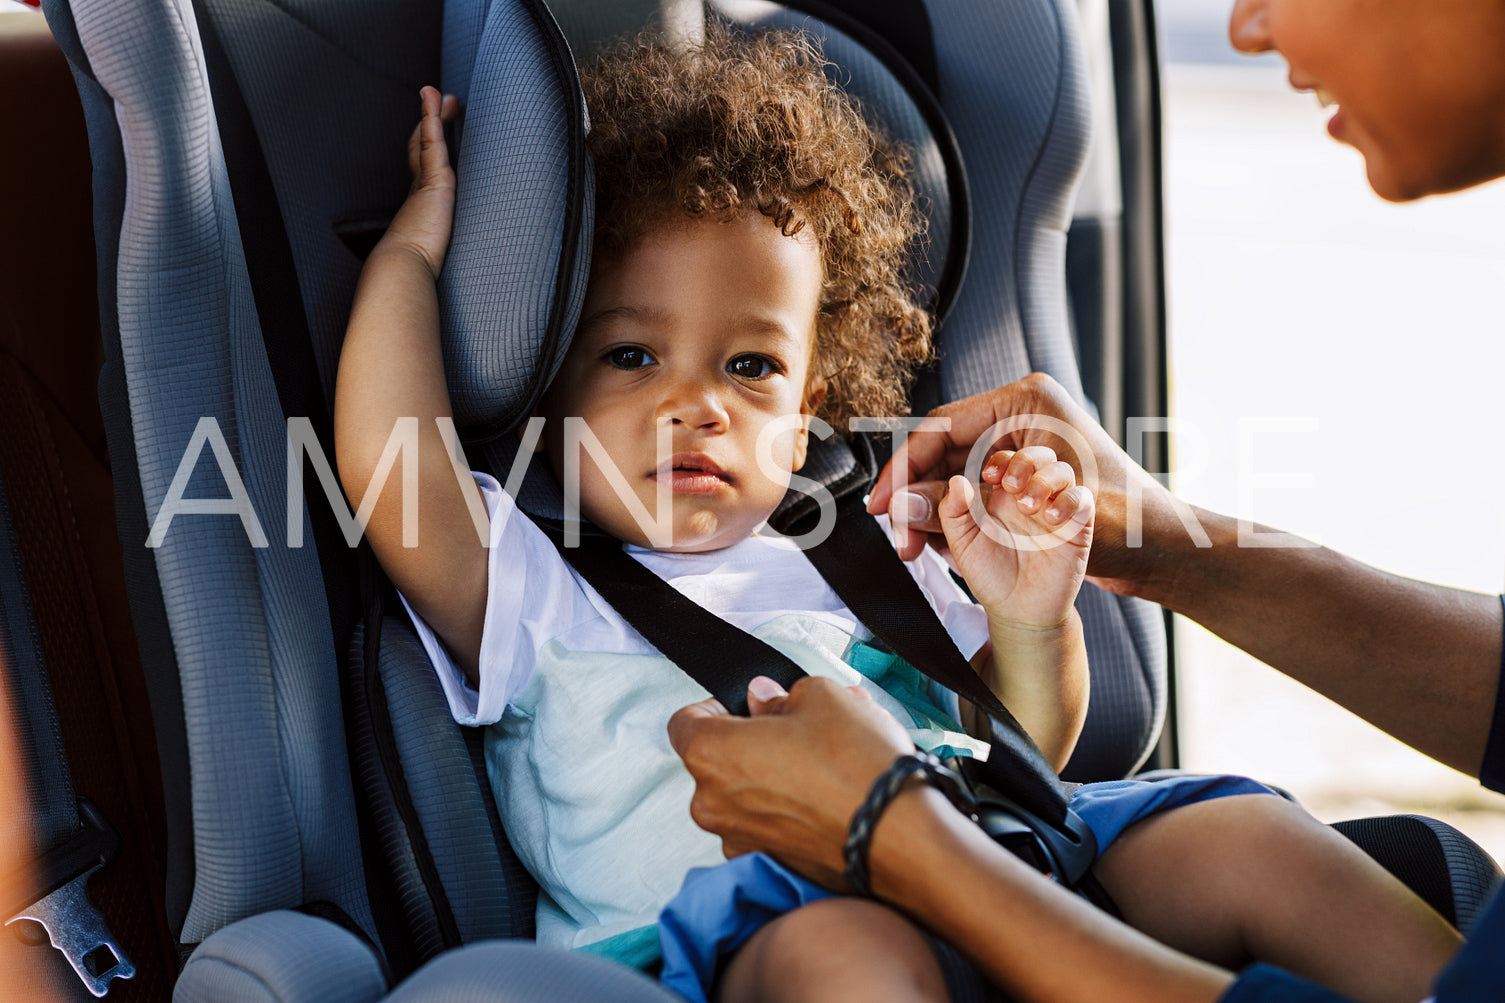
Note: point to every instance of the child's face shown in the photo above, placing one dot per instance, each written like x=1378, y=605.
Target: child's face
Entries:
x=704, y=330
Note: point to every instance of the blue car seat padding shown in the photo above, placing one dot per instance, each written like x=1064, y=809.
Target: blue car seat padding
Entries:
x=272, y=822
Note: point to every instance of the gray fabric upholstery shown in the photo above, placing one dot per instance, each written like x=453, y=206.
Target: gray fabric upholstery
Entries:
x=863, y=76
x=489, y=893
x=273, y=819
x=500, y=280
x=510, y=972
x=1014, y=85
x=1473, y=873
x=48, y=813
x=333, y=90
x=1013, y=82
x=281, y=957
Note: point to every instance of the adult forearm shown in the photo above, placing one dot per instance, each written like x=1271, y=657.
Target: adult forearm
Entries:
x=1420, y=661
x=1034, y=938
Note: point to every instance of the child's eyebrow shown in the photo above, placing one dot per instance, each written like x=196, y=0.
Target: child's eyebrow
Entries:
x=651, y=316
x=785, y=340
x=639, y=314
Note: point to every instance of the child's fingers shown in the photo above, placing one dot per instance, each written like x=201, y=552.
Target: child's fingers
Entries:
x=435, y=153
x=992, y=471
x=428, y=155
x=1045, y=483
x=1073, y=507
x=1022, y=465
x=955, y=511
x=956, y=501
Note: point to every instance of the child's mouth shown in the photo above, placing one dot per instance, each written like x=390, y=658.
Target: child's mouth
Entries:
x=692, y=473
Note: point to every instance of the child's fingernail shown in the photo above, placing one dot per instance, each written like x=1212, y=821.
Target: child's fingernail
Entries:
x=989, y=472
x=1054, y=514
x=1012, y=481
x=916, y=507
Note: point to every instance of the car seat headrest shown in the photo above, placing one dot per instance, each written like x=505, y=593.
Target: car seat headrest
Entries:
x=515, y=275
x=895, y=99
x=514, y=279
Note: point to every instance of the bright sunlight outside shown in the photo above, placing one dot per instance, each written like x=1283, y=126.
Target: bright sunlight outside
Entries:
x=1335, y=361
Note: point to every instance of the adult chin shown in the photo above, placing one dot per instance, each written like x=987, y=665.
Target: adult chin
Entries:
x=1405, y=176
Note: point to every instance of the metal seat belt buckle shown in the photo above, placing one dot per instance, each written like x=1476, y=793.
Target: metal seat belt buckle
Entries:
x=62, y=907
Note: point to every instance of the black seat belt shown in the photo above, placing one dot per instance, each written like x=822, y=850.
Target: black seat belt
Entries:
x=1022, y=802
x=861, y=566
x=714, y=653
x=69, y=837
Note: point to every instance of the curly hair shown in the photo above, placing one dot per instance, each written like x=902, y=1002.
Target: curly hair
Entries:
x=741, y=123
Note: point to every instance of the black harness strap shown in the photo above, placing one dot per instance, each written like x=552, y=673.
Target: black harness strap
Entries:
x=714, y=653
x=860, y=564
x=1022, y=803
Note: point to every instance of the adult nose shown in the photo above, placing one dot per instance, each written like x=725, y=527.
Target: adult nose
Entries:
x=1249, y=26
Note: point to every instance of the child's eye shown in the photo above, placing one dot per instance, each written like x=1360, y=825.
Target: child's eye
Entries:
x=630, y=357
x=753, y=367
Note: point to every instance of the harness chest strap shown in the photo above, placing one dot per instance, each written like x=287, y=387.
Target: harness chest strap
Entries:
x=1023, y=798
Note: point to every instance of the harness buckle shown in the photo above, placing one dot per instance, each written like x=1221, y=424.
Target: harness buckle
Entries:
x=61, y=905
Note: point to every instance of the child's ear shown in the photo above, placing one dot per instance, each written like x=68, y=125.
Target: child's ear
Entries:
x=813, y=396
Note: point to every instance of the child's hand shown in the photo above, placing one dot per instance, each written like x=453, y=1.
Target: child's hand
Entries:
x=1026, y=563
x=422, y=225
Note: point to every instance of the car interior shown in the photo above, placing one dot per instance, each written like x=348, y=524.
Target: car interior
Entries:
x=241, y=777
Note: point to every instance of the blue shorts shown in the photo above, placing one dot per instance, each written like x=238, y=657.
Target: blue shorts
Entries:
x=719, y=908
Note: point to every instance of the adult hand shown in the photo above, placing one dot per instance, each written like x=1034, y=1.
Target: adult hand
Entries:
x=787, y=780
x=911, y=486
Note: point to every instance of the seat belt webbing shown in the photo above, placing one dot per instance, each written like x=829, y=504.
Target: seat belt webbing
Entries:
x=716, y=654
x=68, y=837
x=723, y=658
x=861, y=566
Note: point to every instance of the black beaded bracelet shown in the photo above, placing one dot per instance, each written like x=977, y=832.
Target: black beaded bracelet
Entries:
x=882, y=793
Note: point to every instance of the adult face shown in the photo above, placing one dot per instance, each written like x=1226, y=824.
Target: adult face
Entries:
x=1419, y=84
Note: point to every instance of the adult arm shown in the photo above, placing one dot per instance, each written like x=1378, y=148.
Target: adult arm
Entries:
x=787, y=782
x=1420, y=661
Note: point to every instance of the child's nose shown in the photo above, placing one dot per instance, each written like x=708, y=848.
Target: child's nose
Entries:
x=692, y=403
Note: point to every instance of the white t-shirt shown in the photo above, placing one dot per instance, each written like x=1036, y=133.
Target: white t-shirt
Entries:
x=592, y=797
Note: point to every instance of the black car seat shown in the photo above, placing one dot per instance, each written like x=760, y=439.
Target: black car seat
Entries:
x=330, y=830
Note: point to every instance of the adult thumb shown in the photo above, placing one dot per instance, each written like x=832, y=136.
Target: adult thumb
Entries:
x=765, y=696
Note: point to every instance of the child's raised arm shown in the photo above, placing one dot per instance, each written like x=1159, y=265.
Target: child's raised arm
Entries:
x=392, y=368
x=1025, y=564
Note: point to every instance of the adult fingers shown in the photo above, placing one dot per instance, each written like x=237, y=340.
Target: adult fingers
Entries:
x=765, y=697
x=1043, y=484
x=927, y=455
x=914, y=516
x=687, y=722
